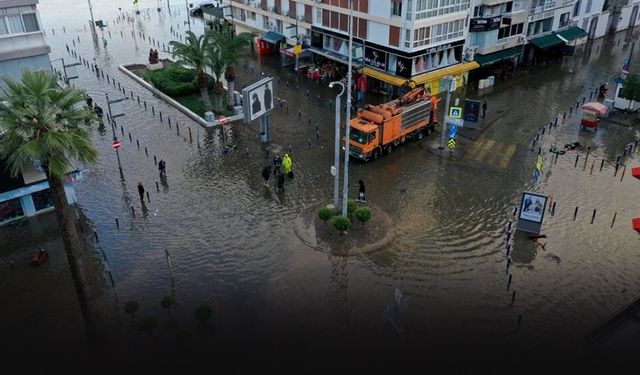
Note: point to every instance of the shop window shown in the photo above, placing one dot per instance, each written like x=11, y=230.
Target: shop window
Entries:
x=10, y=209
x=42, y=199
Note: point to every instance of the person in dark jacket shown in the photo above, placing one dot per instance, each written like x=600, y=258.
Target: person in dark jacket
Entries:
x=361, y=191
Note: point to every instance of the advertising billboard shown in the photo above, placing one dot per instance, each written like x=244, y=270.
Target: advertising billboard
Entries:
x=532, y=207
x=258, y=99
x=472, y=110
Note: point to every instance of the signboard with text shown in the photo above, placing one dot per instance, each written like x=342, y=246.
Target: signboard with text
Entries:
x=485, y=24
x=375, y=58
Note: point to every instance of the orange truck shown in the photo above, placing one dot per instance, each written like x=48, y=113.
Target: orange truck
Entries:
x=378, y=129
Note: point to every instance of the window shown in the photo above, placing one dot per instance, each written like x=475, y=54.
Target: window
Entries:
x=547, y=24
x=18, y=20
x=588, y=9
x=15, y=24
x=541, y=26
x=434, y=8
x=3, y=27
x=438, y=33
x=252, y=16
x=564, y=19
x=30, y=22
x=42, y=199
x=396, y=8
x=508, y=7
x=511, y=30
x=576, y=8
x=319, y=16
x=10, y=209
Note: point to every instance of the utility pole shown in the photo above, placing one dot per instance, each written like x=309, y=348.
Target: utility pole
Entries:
x=336, y=151
x=93, y=23
x=345, y=184
x=452, y=87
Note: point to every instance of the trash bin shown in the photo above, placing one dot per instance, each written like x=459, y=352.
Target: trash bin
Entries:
x=208, y=116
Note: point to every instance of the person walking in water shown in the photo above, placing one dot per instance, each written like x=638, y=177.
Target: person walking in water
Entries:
x=361, y=191
x=287, y=165
x=141, y=191
x=162, y=167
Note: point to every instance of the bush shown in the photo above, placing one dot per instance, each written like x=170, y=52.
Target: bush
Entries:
x=168, y=302
x=177, y=80
x=203, y=313
x=325, y=214
x=131, y=307
x=352, y=206
x=341, y=223
x=362, y=214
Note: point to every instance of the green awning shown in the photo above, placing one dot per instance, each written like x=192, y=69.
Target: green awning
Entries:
x=273, y=37
x=572, y=33
x=546, y=41
x=492, y=58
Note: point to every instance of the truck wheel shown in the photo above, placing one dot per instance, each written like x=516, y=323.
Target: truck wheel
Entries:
x=389, y=149
x=420, y=135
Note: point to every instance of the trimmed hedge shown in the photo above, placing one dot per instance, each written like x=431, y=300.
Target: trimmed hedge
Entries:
x=176, y=80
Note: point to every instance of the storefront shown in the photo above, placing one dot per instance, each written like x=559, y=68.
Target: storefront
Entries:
x=269, y=42
x=500, y=64
x=335, y=46
x=545, y=49
x=29, y=194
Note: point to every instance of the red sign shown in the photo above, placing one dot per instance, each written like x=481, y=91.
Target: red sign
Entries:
x=116, y=145
x=223, y=120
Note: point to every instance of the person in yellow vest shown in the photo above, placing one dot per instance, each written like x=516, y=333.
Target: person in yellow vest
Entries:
x=287, y=164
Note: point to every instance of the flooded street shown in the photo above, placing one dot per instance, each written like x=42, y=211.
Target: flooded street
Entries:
x=232, y=242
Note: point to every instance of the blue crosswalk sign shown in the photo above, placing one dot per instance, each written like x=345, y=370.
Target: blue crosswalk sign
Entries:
x=453, y=131
x=536, y=175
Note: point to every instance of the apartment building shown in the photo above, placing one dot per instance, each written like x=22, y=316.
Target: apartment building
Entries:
x=395, y=42
x=23, y=47
x=624, y=14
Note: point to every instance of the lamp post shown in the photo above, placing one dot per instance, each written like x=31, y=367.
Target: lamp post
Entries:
x=117, y=111
x=451, y=88
x=345, y=184
x=93, y=23
x=336, y=156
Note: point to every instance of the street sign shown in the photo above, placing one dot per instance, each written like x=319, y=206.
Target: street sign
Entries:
x=454, y=121
x=453, y=131
x=452, y=143
x=116, y=145
x=455, y=112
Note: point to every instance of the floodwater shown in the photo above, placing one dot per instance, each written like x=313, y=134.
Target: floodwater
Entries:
x=232, y=242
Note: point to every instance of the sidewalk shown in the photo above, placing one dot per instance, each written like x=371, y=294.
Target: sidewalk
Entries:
x=619, y=117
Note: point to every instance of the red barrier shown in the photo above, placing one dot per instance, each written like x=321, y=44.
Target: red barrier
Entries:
x=635, y=222
x=635, y=171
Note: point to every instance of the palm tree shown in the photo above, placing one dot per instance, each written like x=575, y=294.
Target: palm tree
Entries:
x=48, y=125
x=230, y=47
x=217, y=64
x=194, y=53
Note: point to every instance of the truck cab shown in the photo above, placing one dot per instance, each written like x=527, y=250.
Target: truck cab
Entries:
x=363, y=140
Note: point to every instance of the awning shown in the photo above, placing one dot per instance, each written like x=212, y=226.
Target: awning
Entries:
x=384, y=77
x=492, y=58
x=451, y=70
x=273, y=37
x=546, y=41
x=572, y=33
x=336, y=57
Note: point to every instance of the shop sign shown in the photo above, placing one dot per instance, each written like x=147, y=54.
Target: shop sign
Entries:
x=375, y=59
x=403, y=67
x=485, y=24
x=443, y=47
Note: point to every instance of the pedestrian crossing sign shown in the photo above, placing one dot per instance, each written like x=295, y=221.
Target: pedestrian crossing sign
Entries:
x=539, y=163
x=452, y=143
x=455, y=112
x=453, y=131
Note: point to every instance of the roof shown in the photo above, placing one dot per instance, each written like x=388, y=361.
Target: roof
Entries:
x=492, y=58
x=598, y=107
x=547, y=41
x=572, y=33
x=273, y=37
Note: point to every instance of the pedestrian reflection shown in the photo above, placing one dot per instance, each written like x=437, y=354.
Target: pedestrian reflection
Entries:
x=145, y=210
x=163, y=181
x=101, y=128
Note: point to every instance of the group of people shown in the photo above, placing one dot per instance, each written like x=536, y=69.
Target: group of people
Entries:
x=282, y=166
x=96, y=109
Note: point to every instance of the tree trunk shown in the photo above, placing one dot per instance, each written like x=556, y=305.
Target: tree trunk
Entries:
x=73, y=248
x=204, y=91
x=219, y=103
x=230, y=96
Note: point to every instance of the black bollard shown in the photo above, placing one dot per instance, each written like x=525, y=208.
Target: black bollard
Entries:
x=593, y=217
x=299, y=114
x=615, y=172
x=601, y=165
x=555, y=122
x=564, y=116
x=122, y=130
x=169, y=121
x=553, y=209
x=575, y=213
x=577, y=105
x=148, y=199
x=537, y=137
x=543, y=128
x=576, y=163
x=138, y=143
x=515, y=210
x=513, y=298
x=155, y=160
x=570, y=110
x=153, y=111
x=117, y=224
x=130, y=140
x=509, y=282
x=145, y=105
x=509, y=226
x=583, y=99
x=539, y=150
x=178, y=128
x=160, y=113
x=133, y=212
x=157, y=186
x=518, y=325
x=614, y=218
x=138, y=100
x=145, y=151
x=95, y=235
x=556, y=159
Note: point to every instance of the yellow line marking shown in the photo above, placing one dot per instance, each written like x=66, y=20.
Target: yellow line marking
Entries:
x=507, y=156
x=487, y=146
x=495, y=156
x=476, y=145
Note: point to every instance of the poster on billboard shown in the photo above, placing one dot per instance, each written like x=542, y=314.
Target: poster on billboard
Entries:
x=258, y=99
x=532, y=207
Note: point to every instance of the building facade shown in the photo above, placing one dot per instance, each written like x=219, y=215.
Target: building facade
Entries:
x=395, y=42
x=23, y=47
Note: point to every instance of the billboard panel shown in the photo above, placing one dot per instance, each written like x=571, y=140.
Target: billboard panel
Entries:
x=532, y=207
x=258, y=99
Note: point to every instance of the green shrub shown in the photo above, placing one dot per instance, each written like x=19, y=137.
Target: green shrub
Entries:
x=131, y=307
x=341, y=223
x=352, y=206
x=177, y=80
x=203, y=313
x=362, y=214
x=325, y=214
x=168, y=302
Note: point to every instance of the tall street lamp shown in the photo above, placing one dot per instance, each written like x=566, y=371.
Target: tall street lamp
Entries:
x=336, y=157
x=345, y=184
x=115, y=110
x=451, y=87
